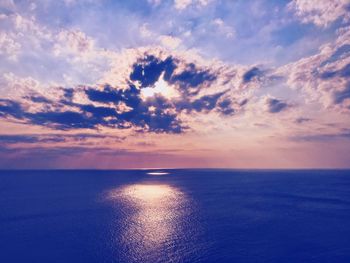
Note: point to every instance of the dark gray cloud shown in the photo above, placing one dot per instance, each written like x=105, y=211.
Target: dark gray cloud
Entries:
x=68, y=93
x=10, y=108
x=341, y=52
x=149, y=69
x=275, y=105
x=52, y=138
x=190, y=79
x=38, y=99
x=152, y=114
x=205, y=103
x=62, y=120
x=252, y=74
x=225, y=107
x=302, y=120
x=111, y=95
x=340, y=96
x=10, y=139
x=324, y=137
x=344, y=72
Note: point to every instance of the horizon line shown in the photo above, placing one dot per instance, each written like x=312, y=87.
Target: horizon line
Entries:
x=183, y=168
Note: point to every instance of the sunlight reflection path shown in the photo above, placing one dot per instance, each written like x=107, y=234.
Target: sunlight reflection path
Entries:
x=154, y=222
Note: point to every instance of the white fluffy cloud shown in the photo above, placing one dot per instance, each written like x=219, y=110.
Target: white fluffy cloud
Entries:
x=321, y=13
x=182, y=4
x=167, y=41
x=224, y=29
x=8, y=46
x=72, y=53
x=73, y=41
x=324, y=77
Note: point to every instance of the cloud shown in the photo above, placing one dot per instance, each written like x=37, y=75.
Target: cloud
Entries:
x=94, y=157
x=322, y=137
x=342, y=95
x=251, y=74
x=191, y=79
x=52, y=138
x=321, y=13
x=341, y=52
x=10, y=139
x=73, y=42
x=127, y=107
x=188, y=69
x=153, y=114
x=14, y=86
x=275, y=105
x=7, y=4
x=8, y=46
x=302, y=120
x=64, y=156
x=227, y=31
x=75, y=56
x=205, y=103
x=152, y=77
x=62, y=120
x=344, y=72
x=38, y=99
x=148, y=70
x=9, y=108
x=183, y=4
x=106, y=94
x=168, y=41
x=323, y=77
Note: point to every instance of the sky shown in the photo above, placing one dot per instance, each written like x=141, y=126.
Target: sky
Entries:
x=102, y=84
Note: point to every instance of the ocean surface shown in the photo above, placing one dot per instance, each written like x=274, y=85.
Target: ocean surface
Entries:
x=175, y=216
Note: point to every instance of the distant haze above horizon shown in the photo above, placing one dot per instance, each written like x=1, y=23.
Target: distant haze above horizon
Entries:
x=174, y=84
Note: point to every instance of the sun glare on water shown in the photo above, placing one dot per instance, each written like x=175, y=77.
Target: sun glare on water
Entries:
x=157, y=173
x=154, y=193
x=156, y=217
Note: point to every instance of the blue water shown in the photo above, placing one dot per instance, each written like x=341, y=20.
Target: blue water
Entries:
x=175, y=216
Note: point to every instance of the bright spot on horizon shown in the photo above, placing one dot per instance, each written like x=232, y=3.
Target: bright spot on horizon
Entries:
x=157, y=173
x=161, y=87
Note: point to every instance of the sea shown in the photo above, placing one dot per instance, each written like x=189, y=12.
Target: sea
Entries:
x=175, y=215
